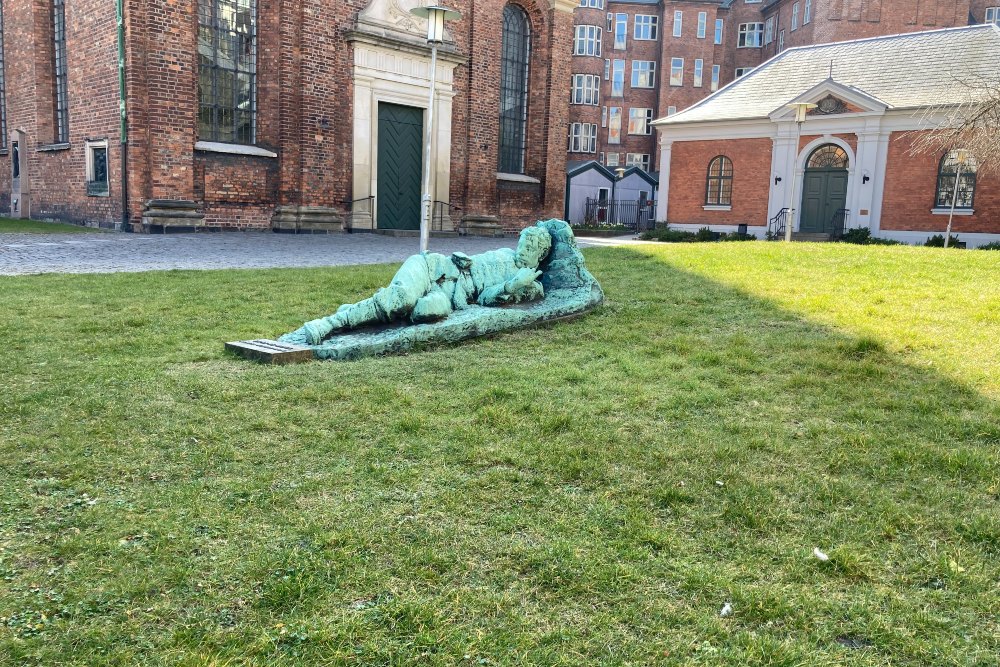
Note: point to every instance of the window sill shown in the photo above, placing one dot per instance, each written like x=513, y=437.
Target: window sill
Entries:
x=48, y=148
x=233, y=149
x=94, y=191
x=716, y=207
x=958, y=211
x=517, y=178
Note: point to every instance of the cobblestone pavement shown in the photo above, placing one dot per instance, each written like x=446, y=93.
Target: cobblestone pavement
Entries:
x=22, y=254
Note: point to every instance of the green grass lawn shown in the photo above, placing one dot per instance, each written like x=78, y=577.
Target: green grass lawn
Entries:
x=587, y=493
x=21, y=226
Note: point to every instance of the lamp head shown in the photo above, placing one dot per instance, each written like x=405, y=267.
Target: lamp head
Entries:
x=801, y=109
x=435, y=15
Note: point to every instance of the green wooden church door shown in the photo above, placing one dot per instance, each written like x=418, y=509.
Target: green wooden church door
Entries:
x=400, y=153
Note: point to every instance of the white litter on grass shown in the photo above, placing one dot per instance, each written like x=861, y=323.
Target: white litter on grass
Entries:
x=820, y=555
x=719, y=482
x=727, y=610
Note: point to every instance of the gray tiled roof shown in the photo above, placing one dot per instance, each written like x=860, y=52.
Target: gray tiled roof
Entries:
x=914, y=70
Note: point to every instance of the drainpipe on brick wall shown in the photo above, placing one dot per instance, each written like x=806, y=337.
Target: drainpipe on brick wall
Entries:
x=120, y=17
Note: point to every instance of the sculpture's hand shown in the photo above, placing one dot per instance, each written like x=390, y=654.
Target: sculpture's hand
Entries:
x=522, y=279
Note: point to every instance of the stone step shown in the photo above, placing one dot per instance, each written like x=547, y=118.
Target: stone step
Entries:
x=811, y=236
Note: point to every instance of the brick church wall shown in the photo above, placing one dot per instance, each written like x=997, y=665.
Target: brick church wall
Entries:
x=304, y=110
x=57, y=178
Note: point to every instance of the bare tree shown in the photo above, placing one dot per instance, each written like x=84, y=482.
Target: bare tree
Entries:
x=972, y=124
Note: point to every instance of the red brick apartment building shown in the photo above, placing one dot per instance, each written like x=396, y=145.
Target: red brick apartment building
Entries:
x=636, y=60
x=293, y=114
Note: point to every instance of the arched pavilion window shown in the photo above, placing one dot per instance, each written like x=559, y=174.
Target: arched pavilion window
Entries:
x=947, y=174
x=515, y=54
x=719, y=190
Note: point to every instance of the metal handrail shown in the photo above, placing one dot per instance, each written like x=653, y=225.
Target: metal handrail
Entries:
x=776, y=225
x=838, y=222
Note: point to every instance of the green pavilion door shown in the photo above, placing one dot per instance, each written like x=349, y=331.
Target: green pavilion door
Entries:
x=824, y=190
x=400, y=152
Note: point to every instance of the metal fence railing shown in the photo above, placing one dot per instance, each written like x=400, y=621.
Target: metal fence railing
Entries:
x=634, y=215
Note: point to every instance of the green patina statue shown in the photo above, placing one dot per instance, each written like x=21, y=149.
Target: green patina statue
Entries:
x=437, y=298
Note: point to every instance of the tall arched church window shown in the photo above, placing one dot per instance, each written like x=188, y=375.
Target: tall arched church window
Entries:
x=227, y=70
x=719, y=190
x=948, y=170
x=516, y=54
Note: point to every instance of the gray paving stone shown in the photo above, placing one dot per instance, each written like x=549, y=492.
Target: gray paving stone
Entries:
x=23, y=254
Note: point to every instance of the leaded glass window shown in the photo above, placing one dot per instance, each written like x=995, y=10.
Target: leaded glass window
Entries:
x=947, y=174
x=227, y=70
x=59, y=61
x=3, y=94
x=828, y=156
x=719, y=191
x=516, y=55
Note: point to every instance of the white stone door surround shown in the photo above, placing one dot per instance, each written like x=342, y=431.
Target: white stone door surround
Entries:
x=392, y=64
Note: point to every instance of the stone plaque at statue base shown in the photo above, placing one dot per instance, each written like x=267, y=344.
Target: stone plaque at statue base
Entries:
x=270, y=351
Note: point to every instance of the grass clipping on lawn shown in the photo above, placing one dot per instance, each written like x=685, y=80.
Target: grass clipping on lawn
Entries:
x=587, y=493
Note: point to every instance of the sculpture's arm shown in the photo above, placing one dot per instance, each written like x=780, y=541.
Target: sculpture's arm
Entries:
x=522, y=287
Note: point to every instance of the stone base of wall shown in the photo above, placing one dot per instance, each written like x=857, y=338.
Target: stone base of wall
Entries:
x=481, y=225
x=307, y=220
x=159, y=215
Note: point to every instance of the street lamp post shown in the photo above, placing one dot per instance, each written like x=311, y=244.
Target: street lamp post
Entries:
x=801, y=109
x=436, y=16
x=961, y=156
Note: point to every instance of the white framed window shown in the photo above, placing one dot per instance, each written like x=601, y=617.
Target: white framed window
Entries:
x=611, y=160
x=640, y=160
x=586, y=89
x=96, y=165
x=639, y=121
x=795, y=16
x=607, y=69
x=807, y=12
x=992, y=15
x=719, y=24
x=676, y=71
x=587, y=40
x=618, y=78
x=702, y=24
x=600, y=156
x=750, y=35
x=615, y=125
x=646, y=27
x=604, y=116
x=643, y=73
x=740, y=71
x=671, y=110
x=769, y=30
x=754, y=2
x=593, y=4
x=781, y=40
x=699, y=72
x=583, y=138
x=621, y=31
x=678, y=20
x=716, y=72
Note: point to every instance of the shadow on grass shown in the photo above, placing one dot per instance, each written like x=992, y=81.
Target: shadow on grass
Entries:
x=593, y=492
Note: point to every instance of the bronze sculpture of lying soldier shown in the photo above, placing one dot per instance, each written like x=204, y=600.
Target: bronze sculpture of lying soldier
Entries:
x=430, y=286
